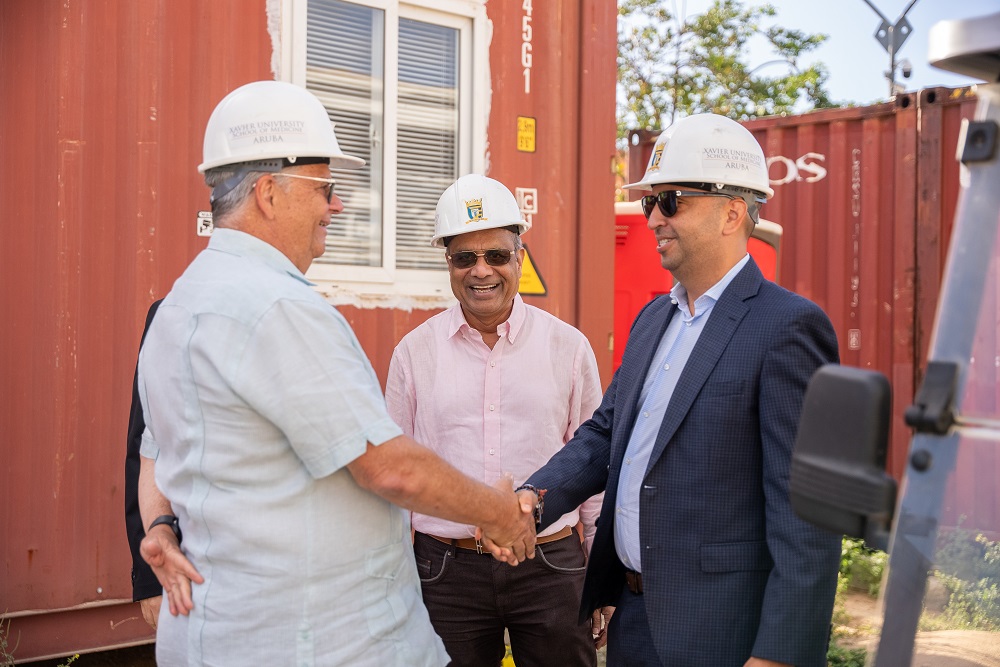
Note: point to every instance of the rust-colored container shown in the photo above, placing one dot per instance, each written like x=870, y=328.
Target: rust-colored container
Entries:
x=866, y=198
x=104, y=105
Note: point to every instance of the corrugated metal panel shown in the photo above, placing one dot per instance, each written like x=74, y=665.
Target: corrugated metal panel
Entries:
x=866, y=198
x=571, y=96
x=103, y=105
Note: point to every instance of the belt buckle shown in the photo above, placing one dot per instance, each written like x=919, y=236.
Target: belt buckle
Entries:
x=479, y=547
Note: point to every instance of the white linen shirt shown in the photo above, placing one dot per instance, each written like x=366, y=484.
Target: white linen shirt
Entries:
x=488, y=412
x=256, y=394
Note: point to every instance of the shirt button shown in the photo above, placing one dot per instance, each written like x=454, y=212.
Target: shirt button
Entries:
x=688, y=323
x=491, y=452
x=493, y=364
x=645, y=414
x=666, y=367
x=628, y=461
x=491, y=407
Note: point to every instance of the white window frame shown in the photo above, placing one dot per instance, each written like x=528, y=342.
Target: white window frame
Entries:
x=387, y=285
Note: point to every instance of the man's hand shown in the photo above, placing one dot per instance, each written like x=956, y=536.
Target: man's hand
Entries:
x=172, y=568
x=512, y=539
x=599, y=625
x=151, y=609
x=760, y=662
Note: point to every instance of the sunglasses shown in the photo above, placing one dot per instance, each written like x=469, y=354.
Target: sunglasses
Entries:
x=667, y=201
x=468, y=258
x=329, y=183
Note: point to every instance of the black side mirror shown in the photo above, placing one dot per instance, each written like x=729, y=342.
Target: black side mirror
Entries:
x=838, y=477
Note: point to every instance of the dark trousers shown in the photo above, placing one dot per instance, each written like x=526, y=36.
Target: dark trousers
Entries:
x=471, y=599
x=630, y=642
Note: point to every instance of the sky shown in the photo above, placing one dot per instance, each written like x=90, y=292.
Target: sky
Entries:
x=855, y=60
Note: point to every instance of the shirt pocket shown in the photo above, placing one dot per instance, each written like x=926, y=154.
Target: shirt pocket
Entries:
x=722, y=388
x=735, y=557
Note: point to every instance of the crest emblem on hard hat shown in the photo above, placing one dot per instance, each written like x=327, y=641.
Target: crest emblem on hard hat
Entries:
x=654, y=161
x=474, y=207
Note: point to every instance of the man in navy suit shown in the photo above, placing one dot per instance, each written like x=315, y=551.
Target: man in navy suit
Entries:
x=697, y=545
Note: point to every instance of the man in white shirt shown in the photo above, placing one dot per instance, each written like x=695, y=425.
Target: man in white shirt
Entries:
x=494, y=385
x=273, y=449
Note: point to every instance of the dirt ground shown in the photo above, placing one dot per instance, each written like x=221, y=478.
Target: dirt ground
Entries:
x=939, y=648
x=942, y=648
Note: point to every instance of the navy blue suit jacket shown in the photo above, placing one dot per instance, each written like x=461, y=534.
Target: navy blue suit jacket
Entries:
x=728, y=570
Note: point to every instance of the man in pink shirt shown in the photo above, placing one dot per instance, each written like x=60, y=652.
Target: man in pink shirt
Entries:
x=496, y=386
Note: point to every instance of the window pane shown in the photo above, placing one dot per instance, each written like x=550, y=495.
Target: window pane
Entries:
x=428, y=136
x=345, y=69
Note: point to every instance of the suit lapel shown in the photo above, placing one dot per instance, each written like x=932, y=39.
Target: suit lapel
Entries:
x=644, y=343
x=722, y=324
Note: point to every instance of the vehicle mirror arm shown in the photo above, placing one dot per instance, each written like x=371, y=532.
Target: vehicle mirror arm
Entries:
x=933, y=408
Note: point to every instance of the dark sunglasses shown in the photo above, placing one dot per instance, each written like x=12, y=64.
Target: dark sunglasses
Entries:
x=468, y=258
x=667, y=201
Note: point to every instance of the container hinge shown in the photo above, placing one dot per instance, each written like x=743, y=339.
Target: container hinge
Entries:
x=933, y=408
x=977, y=141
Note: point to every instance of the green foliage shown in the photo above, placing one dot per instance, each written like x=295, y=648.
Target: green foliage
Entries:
x=860, y=567
x=838, y=656
x=669, y=67
x=969, y=567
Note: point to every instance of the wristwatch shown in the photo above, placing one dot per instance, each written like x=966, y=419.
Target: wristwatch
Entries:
x=540, y=505
x=170, y=520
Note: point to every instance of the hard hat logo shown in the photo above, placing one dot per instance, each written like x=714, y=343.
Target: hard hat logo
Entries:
x=474, y=207
x=271, y=128
x=735, y=160
x=654, y=160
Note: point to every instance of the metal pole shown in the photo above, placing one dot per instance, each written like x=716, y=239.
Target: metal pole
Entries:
x=891, y=74
x=891, y=44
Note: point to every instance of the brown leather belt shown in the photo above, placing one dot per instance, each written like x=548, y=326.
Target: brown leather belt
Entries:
x=634, y=581
x=471, y=544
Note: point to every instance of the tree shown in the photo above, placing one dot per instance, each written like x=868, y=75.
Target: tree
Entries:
x=669, y=67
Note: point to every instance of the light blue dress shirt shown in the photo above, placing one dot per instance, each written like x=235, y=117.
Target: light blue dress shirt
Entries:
x=671, y=356
x=256, y=395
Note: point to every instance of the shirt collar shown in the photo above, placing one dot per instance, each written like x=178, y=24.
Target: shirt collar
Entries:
x=511, y=328
x=235, y=242
x=678, y=293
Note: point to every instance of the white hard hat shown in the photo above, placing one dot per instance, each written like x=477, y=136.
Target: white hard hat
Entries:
x=268, y=121
x=472, y=203
x=709, y=150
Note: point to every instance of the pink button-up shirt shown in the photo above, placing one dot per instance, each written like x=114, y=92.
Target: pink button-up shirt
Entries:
x=488, y=412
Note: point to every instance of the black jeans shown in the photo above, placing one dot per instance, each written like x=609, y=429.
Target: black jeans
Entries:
x=630, y=642
x=472, y=597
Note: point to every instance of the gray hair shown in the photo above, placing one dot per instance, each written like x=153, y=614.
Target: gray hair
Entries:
x=227, y=204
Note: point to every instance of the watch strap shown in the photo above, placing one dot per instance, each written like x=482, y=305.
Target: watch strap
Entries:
x=169, y=520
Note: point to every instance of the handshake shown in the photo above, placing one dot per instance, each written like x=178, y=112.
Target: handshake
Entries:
x=510, y=535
